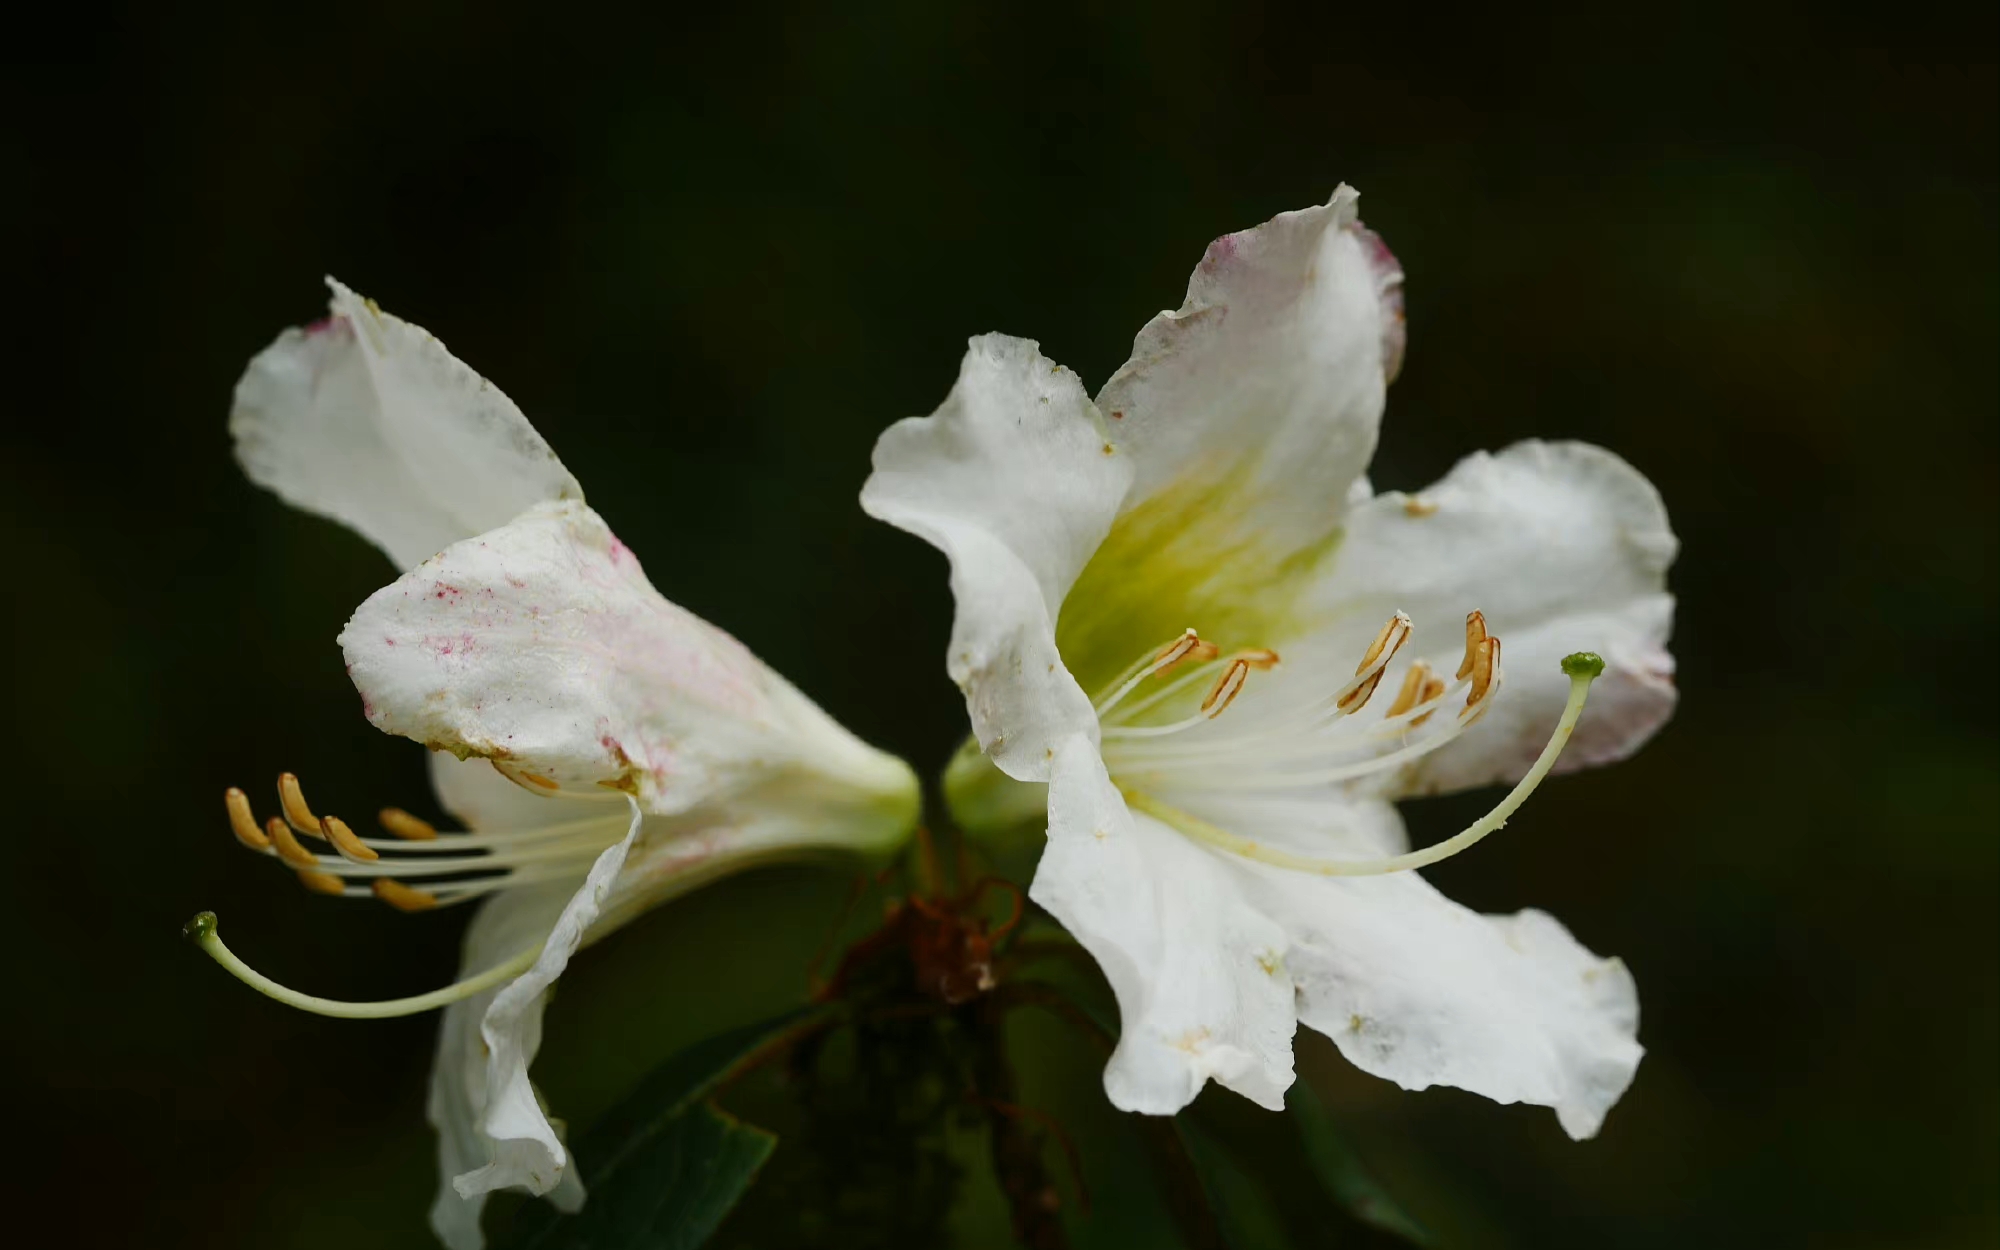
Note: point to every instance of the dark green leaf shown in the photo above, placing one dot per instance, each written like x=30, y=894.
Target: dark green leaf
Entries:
x=666, y=1165
x=1342, y=1172
x=1242, y=1211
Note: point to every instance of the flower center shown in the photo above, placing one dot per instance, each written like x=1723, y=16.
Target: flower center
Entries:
x=1290, y=742
x=1163, y=747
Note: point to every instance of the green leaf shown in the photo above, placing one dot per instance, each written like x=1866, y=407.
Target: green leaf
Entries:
x=1341, y=1171
x=666, y=1165
x=1242, y=1212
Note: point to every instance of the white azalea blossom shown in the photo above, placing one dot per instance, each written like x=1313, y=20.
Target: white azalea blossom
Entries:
x=606, y=749
x=1171, y=607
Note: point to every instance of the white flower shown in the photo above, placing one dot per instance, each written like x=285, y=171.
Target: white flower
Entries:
x=1162, y=597
x=607, y=749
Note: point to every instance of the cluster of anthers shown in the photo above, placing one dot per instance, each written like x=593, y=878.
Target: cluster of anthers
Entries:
x=1158, y=764
x=1293, y=746
x=452, y=867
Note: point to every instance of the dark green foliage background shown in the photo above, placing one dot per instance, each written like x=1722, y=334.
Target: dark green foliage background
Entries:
x=1750, y=248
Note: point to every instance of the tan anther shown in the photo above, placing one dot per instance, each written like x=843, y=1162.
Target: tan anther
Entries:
x=403, y=897
x=1433, y=687
x=1263, y=659
x=1357, y=698
x=350, y=847
x=242, y=822
x=533, y=782
x=1176, y=651
x=1475, y=633
x=322, y=882
x=1226, y=688
x=1390, y=639
x=1414, y=506
x=292, y=801
x=1485, y=666
x=405, y=826
x=288, y=846
x=1413, y=687
x=1189, y=646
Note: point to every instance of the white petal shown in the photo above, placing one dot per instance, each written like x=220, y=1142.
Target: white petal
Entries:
x=1197, y=969
x=1275, y=366
x=1419, y=990
x=1327, y=823
x=525, y=1151
x=1565, y=548
x=1013, y=480
x=367, y=419
x=541, y=645
x=492, y=1130
x=504, y=926
x=1251, y=414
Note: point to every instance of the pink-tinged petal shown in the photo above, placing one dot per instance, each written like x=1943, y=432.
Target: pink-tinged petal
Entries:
x=367, y=419
x=1250, y=413
x=542, y=647
x=1564, y=547
x=1270, y=375
x=1014, y=480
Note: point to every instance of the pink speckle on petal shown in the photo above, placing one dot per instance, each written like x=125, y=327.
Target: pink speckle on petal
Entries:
x=1389, y=290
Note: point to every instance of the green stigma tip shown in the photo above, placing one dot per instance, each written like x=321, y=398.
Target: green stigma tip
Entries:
x=1584, y=664
x=200, y=927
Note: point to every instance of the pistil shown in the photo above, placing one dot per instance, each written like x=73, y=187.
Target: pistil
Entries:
x=202, y=931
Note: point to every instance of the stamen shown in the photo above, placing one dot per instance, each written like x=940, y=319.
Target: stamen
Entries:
x=1225, y=690
x=1475, y=634
x=1201, y=652
x=466, y=866
x=243, y=822
x=1414, y=682
x=1342, y=702
x=1189, y=645
x=292, y=801
x=1432, y=692
x=1485, y=670
x=534, y=783
x=1581, y=668
x=322, y=882
x=1378, y=655
x=288, y=846
x=202, y=931
x=350, y=847
x=405, y=826
x=1214, y=704
x=402, y=897
x=1397, y=629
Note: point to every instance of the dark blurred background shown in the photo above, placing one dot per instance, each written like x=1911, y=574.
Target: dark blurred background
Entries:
x=1751, y=249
